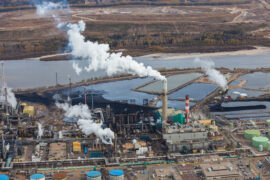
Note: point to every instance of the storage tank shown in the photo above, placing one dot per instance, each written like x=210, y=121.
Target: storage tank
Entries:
x=77, y=146
x=116, y=174
x=37, y=177
x=250, y=133
x=3, y=177
x=268, y=122
x=260, y=148
x=60, y=176
x=256, y=141
x=268, y=146
x=93, y=175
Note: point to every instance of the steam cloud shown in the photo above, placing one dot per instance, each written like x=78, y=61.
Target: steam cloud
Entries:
x=11, y=99
x=44, y=7
x=209, y=68
x=97, y=55
x=40, y=130
x=86, y=123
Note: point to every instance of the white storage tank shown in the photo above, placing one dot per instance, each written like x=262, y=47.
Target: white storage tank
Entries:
x=116, y=174
x=37, y=177
x=93, y=175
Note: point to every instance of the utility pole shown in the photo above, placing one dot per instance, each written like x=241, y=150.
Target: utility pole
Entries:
x=56, y=79
x=70, y=90
x=92, y=99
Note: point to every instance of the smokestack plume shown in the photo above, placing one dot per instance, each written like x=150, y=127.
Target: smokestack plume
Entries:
x=164, y=105
x=187, y=109
x=214, y=75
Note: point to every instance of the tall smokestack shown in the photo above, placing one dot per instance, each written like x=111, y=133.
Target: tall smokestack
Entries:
x=187, y=109
x=164, y=105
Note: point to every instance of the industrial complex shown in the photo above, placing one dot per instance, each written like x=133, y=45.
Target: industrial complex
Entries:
x=43, y=136
x=101, y=115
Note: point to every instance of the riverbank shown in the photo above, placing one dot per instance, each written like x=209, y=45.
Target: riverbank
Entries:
x=164, y=55
x=172, y=56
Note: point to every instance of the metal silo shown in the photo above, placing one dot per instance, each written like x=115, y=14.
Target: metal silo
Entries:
x=250, y=133
x=260, y=148
x=260, y=140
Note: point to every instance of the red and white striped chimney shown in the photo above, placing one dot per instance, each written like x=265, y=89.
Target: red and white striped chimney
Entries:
x=187, y=109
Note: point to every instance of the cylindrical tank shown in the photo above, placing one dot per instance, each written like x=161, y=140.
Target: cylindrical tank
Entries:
x=260, y=148
x=116, y=174
x=93, y=175
x=37, y=177
x=268, y=122
x=60, y=176
x=256, y=141
x=3, y=177
x=250, y=133
x=268, y=146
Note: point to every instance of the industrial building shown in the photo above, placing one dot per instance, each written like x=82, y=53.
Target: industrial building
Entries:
x=223, y=170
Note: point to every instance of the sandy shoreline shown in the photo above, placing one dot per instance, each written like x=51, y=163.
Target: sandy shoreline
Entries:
x=172, y=56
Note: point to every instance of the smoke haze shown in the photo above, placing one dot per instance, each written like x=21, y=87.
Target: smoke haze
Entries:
x=97, y=55
x=86, y=123
x=214, y=75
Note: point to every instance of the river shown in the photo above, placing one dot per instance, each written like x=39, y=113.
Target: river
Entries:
x=24, y=74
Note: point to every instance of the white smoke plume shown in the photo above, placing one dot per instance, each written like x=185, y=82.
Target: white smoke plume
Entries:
x=76, y=68
x=86, y=123
x=77, y=111
x=60, y=135
x=11, y=99
x=214, y=75
x=7, y=91
x=40, y=130
x=99, y=57
x=45, y=7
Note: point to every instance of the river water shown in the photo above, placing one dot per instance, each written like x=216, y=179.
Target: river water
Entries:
x=33, y=73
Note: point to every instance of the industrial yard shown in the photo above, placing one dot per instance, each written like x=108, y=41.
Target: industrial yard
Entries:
x=213, y=132
x=105, y=116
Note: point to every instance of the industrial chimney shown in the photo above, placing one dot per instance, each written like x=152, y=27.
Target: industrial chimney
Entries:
x=187, y=109
x=164, y=105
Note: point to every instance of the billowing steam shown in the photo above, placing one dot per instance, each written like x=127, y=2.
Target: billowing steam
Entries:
x=44, y=7
x=99, y=57
x=40, y=130
x=76, y=67
x=77, y=111
x=11, y=99
x=7, y=94
x=209, y=68
x=86, y=123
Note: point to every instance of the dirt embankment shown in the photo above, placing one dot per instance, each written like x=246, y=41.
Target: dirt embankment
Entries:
x=139, y=30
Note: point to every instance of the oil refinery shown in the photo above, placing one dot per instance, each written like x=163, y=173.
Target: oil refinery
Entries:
x=76, y=132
